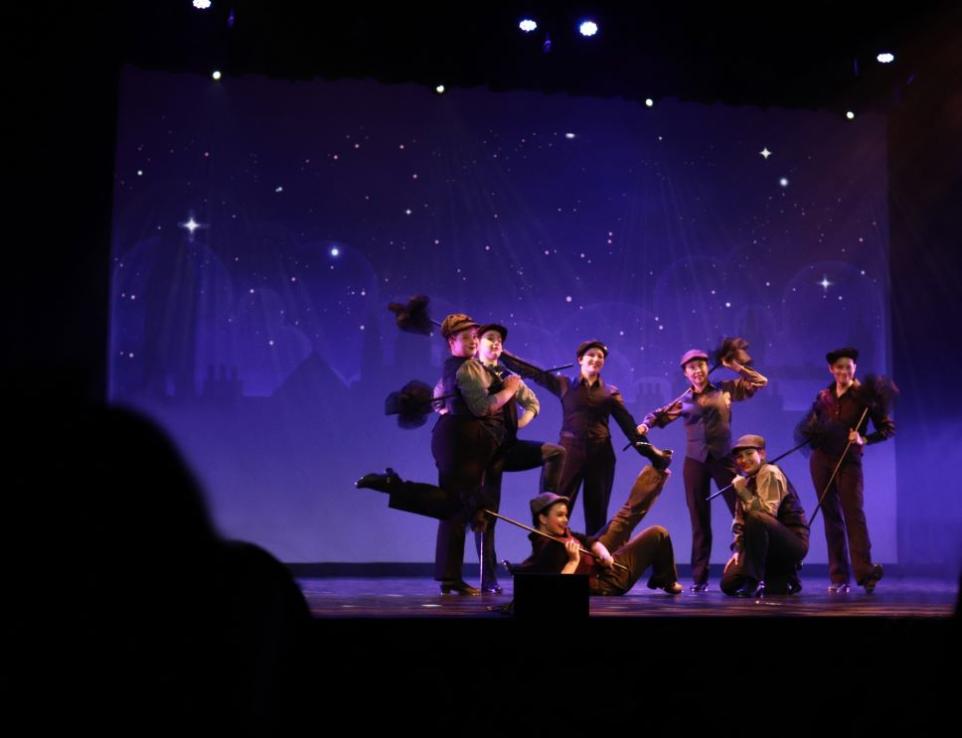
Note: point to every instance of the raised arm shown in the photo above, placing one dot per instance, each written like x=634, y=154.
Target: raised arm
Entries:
x=662, y=416
x=551, y=382
x=748, y=383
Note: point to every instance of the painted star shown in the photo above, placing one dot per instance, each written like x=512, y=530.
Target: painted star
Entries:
x=825, y=283
x=765, y=153
x=192, y=225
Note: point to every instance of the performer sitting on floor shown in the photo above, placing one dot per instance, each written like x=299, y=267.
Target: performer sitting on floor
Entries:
x=771, y=533
x=616, y=562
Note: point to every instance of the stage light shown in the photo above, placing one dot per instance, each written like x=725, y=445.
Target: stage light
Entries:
x=588, y=28
x=215, y=74
x=528, y=25
x=649, y=103
x=850, y=115
x=201, y=4
x=886, y=57
x=335, y=251
x=439, y=89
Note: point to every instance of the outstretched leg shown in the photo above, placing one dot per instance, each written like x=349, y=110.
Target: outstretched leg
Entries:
x=648, y=485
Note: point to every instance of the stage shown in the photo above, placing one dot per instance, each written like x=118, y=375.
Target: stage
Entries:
x=853, y=664
x=419, y=597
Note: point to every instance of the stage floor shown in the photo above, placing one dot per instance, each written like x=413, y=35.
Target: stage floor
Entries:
x=420, y=598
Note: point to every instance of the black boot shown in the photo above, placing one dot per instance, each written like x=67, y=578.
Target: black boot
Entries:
x=660, y=459
x=388, y=482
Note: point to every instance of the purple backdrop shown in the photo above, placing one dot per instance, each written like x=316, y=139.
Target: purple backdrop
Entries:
x=262, y=226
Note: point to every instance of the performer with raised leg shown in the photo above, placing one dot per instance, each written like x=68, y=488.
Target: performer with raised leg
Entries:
x=513, y=454
x=613, y=561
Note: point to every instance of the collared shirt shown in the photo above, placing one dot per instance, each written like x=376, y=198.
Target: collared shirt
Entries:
x=768, y=491
x=463, y=385
x=548, y=556
x=763, y=492
x=708, y=414
x=832, y=416
x=476, y=383
x=525, y=396
x=586, y=408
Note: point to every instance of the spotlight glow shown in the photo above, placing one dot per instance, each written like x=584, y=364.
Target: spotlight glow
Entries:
x=216, y=74
x=588, y=28
x=335, y=251
x=850, y=115
x=886, y=57
x=528, y=25
x=201, y=4
x=649, y=103
x=439, y=89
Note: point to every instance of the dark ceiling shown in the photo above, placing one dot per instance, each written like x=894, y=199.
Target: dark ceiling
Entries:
x=812, y=55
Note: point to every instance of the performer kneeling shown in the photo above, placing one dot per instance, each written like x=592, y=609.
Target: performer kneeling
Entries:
x=616, y=562
x=771, y=532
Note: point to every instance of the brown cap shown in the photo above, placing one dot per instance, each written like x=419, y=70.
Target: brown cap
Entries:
x=545, y=500
x=749, y=441
x=455, y=323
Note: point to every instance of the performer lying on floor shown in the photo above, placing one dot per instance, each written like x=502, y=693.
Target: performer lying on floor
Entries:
x=771, y=533
x=615, y=562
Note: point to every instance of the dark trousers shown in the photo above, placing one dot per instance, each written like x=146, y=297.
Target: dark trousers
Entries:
x=651, y=548
x=512, y=457
x=698, y=476
x=844, y=515
x=463, y=450
x=594, y=465
x=771, y=552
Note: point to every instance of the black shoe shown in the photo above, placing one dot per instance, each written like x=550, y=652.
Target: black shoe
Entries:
x=783, y=586
x=703, y=587
x=873, y=578
x=750, y=588
x=460, y=587
x=659, y=458
x=838, y=588
x=494, y=589
x=388, y=482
